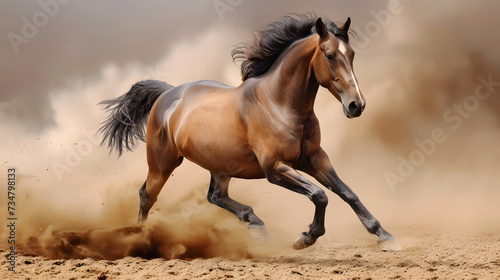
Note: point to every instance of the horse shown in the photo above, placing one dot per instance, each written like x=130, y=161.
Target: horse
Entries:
x=264, y=128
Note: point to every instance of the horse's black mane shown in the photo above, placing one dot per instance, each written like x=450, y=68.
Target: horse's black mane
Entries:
x=259, y=54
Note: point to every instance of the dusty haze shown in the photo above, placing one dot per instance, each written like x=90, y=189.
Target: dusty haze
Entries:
x=415, y=68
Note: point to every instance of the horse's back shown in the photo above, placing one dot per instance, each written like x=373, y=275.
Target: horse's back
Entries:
x=168, y=101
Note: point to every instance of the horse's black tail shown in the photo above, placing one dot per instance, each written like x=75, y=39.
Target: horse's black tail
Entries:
x=129, y=115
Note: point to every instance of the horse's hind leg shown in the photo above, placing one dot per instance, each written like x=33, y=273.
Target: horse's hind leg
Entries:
x=218, y=195
x=157, y=177
x=148, y=193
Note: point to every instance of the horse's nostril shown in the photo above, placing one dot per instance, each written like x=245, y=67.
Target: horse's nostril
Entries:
x=353, y=107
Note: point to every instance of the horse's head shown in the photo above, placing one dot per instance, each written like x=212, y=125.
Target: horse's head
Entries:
x=332, y=65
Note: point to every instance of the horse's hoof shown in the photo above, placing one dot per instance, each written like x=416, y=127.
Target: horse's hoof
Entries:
x=302, y=242
x=389, y=245
x=259, y=232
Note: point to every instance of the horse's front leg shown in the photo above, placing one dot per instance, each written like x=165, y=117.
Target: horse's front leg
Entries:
x=282, y=174
x=321, y=169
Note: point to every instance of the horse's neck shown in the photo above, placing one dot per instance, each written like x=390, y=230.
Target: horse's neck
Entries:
x=291, y=81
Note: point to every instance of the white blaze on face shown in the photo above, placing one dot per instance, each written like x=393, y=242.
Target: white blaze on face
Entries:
x=343, y=50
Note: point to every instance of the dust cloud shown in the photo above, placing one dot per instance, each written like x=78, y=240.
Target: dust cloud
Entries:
x=419, y=75
x=176, y=233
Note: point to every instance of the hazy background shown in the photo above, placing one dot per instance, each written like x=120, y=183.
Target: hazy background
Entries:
x=415, y=61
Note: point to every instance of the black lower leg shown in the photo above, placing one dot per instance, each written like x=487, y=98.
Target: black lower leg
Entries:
x=143, y=201
x=317, y=228
x=371, y=224
x=218, y=195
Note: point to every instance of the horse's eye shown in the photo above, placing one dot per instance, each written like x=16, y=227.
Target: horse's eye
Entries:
x=329, y=56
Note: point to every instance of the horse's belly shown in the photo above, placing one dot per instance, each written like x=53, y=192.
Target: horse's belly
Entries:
x=229, y=157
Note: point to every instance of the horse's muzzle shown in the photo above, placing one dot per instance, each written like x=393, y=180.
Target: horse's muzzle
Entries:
x=354, y=110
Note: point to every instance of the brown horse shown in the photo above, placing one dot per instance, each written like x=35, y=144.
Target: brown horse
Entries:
x=264, y=128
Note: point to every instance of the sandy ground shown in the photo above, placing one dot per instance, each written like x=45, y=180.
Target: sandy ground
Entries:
x=457, y=240
x=428, y=254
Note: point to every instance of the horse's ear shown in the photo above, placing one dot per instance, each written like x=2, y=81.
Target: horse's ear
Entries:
x=320, y=28
x=346, y=25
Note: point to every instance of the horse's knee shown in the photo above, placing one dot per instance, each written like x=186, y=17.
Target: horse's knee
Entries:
x=319, y=198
